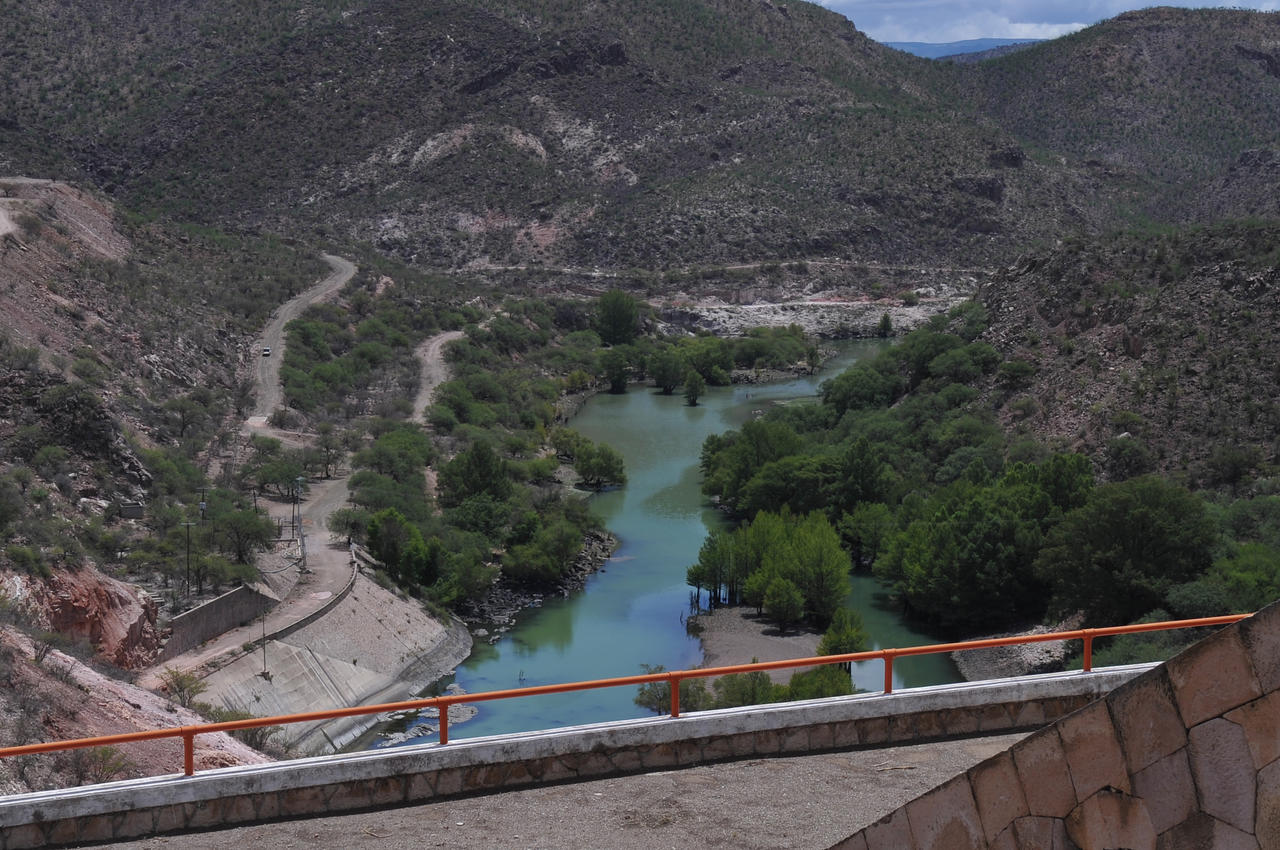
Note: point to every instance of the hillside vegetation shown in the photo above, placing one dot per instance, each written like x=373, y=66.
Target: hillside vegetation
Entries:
x=636, y=134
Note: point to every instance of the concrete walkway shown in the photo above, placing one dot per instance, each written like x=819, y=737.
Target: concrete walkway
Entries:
x=799, y=802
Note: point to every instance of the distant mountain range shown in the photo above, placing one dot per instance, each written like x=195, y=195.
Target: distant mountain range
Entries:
x=630, y=134
x=937, y=50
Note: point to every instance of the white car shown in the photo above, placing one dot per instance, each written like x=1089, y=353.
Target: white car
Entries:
x=266, y=351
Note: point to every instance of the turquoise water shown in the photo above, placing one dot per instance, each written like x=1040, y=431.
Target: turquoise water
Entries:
x=632, y=612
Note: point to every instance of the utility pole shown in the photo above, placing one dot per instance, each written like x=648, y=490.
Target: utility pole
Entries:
x=188, y=584
x=302, y=538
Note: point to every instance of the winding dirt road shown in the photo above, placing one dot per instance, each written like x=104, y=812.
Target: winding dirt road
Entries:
x=269, y=392
x=434, y=370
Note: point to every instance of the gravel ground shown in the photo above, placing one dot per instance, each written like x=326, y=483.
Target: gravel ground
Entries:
x=738, y=636
x=806, y=801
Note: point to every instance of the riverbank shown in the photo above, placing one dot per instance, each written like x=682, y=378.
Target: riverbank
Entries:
x=737, y=636
x=493, y=615
x=1020, y=660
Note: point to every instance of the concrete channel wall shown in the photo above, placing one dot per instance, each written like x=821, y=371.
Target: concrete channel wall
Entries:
x=230, y=610
x=330, y=784
x=1183, y=757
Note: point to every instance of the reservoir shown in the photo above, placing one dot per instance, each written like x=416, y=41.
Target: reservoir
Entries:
x=632, y=612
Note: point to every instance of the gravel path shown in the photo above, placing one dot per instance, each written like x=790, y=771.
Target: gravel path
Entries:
x=434, y=370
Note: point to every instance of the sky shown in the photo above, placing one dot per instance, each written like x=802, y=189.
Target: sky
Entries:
x=957, y=20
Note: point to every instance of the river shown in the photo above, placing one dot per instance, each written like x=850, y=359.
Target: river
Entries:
x=631, y=613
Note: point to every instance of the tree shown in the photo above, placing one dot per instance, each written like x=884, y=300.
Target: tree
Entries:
x=694, y=386
x=667, y=368
x=350, y=523
x=819, y=567
x=783, y=602
x=845, y=634
x=614, y=365
x=617, y=317
x=885, y=328
x=243, y=532
x=474, y=471
x=600, y=465
x=1118, y=556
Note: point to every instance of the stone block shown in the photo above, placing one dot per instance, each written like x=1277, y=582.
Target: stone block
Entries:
x=994, y=718
x=627, y=761
x=794, y=739
x=688, y=753
x=857, y=841
x=420, y=787
x=1169, y=790
x=873, y=730
x=266, y=806
x=386, y=790
x=1039, y=833
x=1212, y=677
x=891, y=832
x=766, y=742
x=30, y=835
x=1146, y=720
x=1203, y=831
x=1260, y=635
x=946, y=818
x=846, y=733
x=95, y=828
x=658, y=756
x=302, y=801
x=821, y=737
x=1223, y=771
x=1042, y=768
x=1111, y=819
x=141, y=822
x=449, y=781
x=348, y=795
x=1029, y=715
x=63, y=831
x=1093, y=752
x=961, y=721
x=1267, y=819
x=719, y=748
x=997, y=790
x=172, y=817
x=595, y=764
x=902, y=727
x=1260, y=720
x=930, y=724
x=1006, y=840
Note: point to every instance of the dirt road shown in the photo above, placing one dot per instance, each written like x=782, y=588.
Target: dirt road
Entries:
x=434, y=370
x=270, y=393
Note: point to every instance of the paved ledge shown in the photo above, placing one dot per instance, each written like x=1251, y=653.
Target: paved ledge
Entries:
x=400, y=775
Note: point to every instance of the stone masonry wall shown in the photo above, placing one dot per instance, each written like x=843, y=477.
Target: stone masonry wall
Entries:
x=1184, y=757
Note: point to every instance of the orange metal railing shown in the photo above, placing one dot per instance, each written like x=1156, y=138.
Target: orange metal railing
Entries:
x=674, y=677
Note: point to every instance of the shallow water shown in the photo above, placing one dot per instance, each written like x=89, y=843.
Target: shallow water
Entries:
x=632, y=612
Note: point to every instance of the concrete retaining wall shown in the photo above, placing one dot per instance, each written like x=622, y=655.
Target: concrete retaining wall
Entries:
x=1186, y=756
x=420, y=773
x=231, y=609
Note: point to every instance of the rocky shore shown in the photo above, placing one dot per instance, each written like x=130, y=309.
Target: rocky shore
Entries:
x=493, y=615
x=1022, y=660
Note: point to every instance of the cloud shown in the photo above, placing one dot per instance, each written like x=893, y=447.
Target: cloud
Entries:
x=956, y=20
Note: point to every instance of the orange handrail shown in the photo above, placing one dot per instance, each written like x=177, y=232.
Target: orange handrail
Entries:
x=673, y=678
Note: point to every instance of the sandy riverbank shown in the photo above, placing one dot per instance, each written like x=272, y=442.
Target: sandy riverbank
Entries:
x=738, y=636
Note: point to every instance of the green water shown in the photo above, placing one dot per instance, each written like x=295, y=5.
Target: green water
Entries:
x=632, y=611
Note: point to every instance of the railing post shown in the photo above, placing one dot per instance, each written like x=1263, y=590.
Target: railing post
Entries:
x=675, y=694
x=888, y=671
x=188, y=752
x=444, y=723
x=1088, y=651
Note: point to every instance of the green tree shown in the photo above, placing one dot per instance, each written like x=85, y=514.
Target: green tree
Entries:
x=783, y=602
x=667, y=368
x=617, y=317
x=243, y=533
x=599, y=466
x=694, y=386
x=616, y=370
x=845, y=634
x=1117, y=557
x=474, y=471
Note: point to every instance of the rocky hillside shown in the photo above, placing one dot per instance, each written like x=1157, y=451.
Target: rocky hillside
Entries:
x=1170, y=96
x=1154, y=351
x=694, y=132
